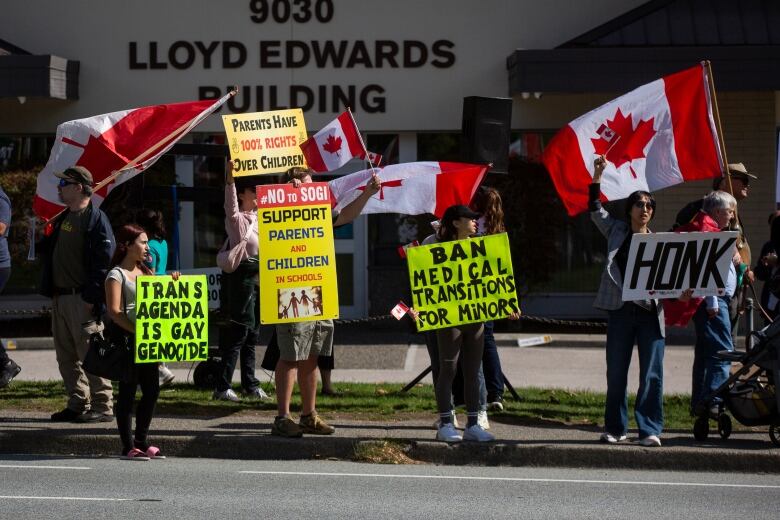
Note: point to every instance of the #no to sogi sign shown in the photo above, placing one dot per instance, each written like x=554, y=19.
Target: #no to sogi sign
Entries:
x=663, y=265
x=297, y=254
x=462, y=281
x=171, y=319
x=265, y=142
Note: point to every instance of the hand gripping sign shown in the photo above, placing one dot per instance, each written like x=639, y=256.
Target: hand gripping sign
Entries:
x=663, y=265
x=297, y=253
x=265, y=142
x=171, y=319
x=462, y=281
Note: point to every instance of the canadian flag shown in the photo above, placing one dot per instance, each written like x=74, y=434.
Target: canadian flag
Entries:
x=660, y=134
x=412, y=188
x=129, y=141
x=400, y=310
x=334, y=145
x=374, y=158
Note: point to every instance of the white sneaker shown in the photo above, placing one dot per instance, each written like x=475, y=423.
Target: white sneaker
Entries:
x=477, y=434
x=611, y=439
x=256, y=393
x=482, y=420
x=437, y=424
x=227, y=395
x=448, y=433
x=651, y=441
x=166, y=376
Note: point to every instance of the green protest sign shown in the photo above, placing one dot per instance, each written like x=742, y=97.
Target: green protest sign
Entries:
x=171, y=319
x=462, y=281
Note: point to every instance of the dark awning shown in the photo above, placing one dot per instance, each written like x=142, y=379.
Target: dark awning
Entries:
x=740, y=38
x=609, y=69
x=25, y=75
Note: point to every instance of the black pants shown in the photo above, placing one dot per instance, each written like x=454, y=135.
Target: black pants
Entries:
x=237, y=341
x=146, y=375
x=5, y=274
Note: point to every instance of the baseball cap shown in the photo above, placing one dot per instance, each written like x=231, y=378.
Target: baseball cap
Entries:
x=77, y=174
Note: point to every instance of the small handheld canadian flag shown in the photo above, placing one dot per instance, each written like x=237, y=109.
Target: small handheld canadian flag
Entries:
x=402, y=249
x=374, y=158
x=400, y=310
x=334, y=145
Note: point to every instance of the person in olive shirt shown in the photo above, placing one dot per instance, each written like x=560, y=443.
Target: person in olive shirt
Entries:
x=8, y=369
x=76, y=251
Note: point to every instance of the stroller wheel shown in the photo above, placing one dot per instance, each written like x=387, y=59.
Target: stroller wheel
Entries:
x=701, y=429
x=724, y=426
x=774, y=432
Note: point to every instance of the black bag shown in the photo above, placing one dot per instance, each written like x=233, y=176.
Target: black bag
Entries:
x=110, y=351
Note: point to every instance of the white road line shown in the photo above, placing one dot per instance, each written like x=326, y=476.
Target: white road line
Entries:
x=19, y=466
x=82, y=499
x=515, y=479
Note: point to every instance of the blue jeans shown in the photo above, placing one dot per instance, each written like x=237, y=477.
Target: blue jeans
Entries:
x=491, y=365
x=712, y=335
x=628, y=325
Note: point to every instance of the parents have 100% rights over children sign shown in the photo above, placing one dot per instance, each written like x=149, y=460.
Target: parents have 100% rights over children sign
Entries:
x=265, y=142
x=297, y=253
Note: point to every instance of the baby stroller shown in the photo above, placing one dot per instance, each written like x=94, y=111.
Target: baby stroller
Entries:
x=749, y=394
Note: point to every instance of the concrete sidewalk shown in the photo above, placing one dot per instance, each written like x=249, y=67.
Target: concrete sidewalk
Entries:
x=570, y=361
x=247, y=436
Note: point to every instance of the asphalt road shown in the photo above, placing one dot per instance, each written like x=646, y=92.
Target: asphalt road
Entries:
x=47, y=487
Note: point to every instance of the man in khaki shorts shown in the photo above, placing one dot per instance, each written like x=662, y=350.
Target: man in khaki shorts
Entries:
x=76, y=252
x=301, y=343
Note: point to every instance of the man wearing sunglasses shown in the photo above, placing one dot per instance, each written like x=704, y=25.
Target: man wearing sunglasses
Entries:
x=76, y=250
x=738, y=187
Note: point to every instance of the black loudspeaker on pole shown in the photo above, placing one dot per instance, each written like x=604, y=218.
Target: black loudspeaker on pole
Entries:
x=485, y=131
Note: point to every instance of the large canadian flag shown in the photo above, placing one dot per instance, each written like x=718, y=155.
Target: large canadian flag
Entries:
x=412, y=188
x=129, y=142
x=660, y=134
x=334, y=145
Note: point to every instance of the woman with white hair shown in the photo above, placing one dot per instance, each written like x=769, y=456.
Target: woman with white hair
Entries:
x=713, y=327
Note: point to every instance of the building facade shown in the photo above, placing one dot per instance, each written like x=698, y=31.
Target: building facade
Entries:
x=404, y=68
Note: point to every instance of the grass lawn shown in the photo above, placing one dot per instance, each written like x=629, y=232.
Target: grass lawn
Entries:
x=362, y=401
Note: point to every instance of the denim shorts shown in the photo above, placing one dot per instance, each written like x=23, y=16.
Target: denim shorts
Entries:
x=304, y=339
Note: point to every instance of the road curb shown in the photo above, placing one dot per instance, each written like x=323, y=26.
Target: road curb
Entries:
x=261, y=446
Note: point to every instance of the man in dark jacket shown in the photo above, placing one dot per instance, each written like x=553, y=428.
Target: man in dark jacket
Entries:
x=76, y=252
x=8, y=368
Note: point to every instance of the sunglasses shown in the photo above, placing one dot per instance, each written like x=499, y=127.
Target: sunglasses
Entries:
x=642, y=205
x=65, y=182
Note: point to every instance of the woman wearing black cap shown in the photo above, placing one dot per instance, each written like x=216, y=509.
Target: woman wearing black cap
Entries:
x=464, y=341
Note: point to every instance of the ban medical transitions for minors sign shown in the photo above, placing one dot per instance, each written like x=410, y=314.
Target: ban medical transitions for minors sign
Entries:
x=265, y=142
x=663, y=265
x=297, y=253
x=462, y=281
x=171, y=319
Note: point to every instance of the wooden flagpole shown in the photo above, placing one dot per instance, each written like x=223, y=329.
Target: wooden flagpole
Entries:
x=718, y=126
x=365, y=150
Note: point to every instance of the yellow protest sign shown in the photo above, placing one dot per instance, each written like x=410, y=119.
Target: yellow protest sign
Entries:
x=171, y=319
x=462, y=281
x=297, y=253
x=265, y=142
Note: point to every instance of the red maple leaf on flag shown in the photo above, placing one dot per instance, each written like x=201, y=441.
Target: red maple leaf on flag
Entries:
x=620, y=142
x=332, y=144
